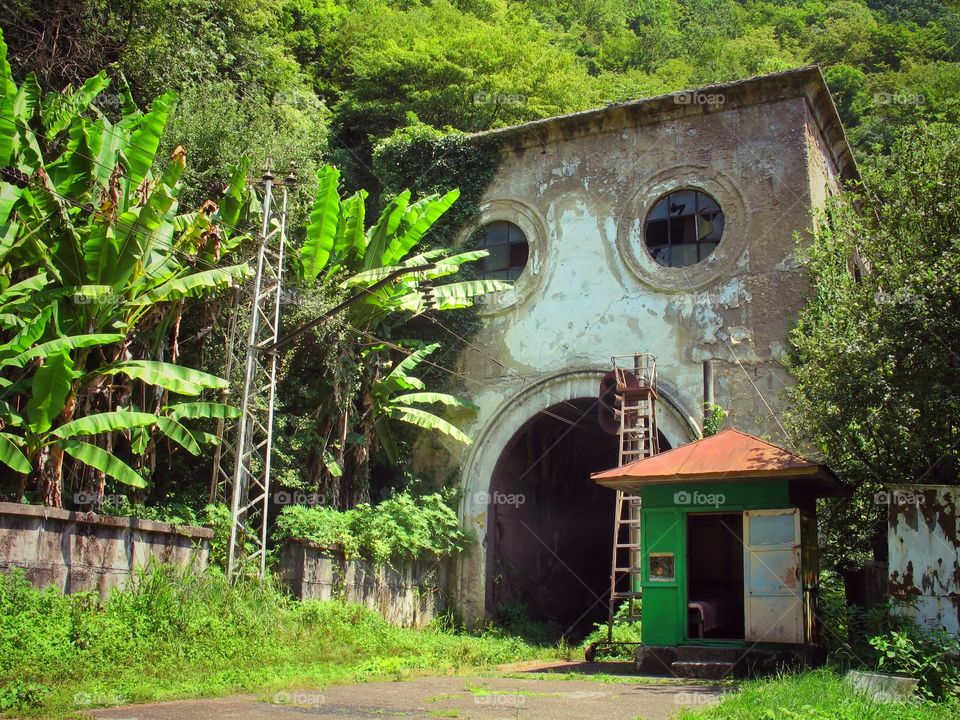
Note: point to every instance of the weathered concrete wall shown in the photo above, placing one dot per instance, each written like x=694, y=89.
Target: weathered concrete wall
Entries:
x=923, y=540
x=769, y=150
x=409, y=596
x=76, y=551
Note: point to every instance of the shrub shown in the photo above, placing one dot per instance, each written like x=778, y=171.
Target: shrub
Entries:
x=929, y=655
x=401, y=527
x=173, y=632
x=625, y=632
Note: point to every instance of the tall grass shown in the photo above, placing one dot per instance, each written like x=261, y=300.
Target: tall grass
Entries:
x=175, y=633
x=816, y=695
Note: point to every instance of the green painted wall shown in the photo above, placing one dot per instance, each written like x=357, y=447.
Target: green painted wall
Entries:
x=719, y=496
x=664, y=530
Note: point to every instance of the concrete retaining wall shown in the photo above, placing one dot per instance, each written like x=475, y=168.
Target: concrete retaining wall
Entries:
x=77, y=551
x=410, y=596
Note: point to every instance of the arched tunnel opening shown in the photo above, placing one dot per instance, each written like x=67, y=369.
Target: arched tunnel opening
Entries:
x=550, y=527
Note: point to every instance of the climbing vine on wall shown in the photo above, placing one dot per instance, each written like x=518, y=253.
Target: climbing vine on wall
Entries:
x=428, y=160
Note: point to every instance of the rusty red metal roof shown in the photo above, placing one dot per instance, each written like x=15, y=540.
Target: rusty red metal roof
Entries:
x=728, y=455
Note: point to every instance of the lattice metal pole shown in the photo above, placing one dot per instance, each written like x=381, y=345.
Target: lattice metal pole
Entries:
x=250, y=474
x=224, y=456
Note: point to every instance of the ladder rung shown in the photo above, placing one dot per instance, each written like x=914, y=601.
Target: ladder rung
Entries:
x=631, y=570
x=632, y=546
x=629, y=522
x=627, y=618
x=628, y=594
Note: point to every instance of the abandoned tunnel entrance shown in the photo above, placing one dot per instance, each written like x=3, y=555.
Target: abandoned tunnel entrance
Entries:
x=550, y=527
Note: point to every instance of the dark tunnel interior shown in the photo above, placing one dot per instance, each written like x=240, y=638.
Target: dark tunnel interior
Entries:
x=550, y=526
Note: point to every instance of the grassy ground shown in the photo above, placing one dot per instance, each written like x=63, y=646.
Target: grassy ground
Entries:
x=817, y=695
x=177, y=635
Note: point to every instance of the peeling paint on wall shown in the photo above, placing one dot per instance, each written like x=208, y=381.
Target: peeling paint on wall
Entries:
x=924, y=558
x=592, y=290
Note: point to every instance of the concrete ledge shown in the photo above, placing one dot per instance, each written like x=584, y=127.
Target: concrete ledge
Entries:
x=77, y=551
x=882, y=687
x=151, y=526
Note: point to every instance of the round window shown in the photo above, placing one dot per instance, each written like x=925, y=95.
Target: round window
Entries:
x=683, y=228
x=507, y=247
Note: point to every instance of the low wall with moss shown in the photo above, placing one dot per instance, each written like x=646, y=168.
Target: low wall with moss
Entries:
x=410, y=595
x=76, y=551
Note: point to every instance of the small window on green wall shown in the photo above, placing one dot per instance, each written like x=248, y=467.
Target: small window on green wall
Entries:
x=662, y=567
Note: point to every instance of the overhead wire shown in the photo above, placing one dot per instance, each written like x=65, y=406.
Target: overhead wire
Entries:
x=498, y=363
x=401, y=349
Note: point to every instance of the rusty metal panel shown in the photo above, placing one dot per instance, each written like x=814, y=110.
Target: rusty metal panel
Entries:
x=773, y=590
x=730, y=453
x=923, y=543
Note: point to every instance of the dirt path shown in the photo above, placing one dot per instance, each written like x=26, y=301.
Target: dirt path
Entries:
x=503, y=696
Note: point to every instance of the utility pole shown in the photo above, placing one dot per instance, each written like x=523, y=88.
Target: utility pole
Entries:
x=245, y=458
x=242, y=460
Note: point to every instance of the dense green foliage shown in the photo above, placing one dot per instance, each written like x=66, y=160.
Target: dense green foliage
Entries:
x=885, y=638
x=874, y=350
x=97, y=267
x=359, y=369
x=625, y=632
x=289, y=79
x=377, y=88
x=174, y=633
x=398, y=528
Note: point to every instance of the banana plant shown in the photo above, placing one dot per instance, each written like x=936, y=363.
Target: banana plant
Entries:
x=400, y=396
x=342, y=256
x=96, y=265
x=339, y=250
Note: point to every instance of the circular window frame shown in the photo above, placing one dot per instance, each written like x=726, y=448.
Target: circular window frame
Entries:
x=698, y=193
x=533, y=228
x=631, y=236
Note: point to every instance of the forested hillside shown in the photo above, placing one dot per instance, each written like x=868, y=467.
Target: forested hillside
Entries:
x=303, y=79
x=358, y=84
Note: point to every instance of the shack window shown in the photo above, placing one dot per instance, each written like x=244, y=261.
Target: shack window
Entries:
x=662, y=567
x=683, y=228
x=507, y=247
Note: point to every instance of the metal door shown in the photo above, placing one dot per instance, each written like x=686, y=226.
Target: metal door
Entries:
x=773, y=591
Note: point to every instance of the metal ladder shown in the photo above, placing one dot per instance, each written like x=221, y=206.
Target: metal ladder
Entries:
x=636, y=395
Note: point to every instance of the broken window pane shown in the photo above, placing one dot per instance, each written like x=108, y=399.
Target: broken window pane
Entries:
x=657, y=232
x=508, y=250
x=683, y=228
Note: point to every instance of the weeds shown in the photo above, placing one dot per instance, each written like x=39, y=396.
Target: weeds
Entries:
x=176, y=633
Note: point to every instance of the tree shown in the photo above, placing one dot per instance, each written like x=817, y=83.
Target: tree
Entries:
x=364, y=379
x=97, y=267
x=875, y=349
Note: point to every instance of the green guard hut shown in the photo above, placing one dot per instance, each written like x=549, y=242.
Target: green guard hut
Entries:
x=727, y=565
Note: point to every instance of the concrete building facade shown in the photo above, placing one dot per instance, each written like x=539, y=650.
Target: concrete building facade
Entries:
x=586, y=191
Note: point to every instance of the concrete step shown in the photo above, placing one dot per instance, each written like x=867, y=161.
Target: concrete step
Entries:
x=709, y=670
x=702, y=653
